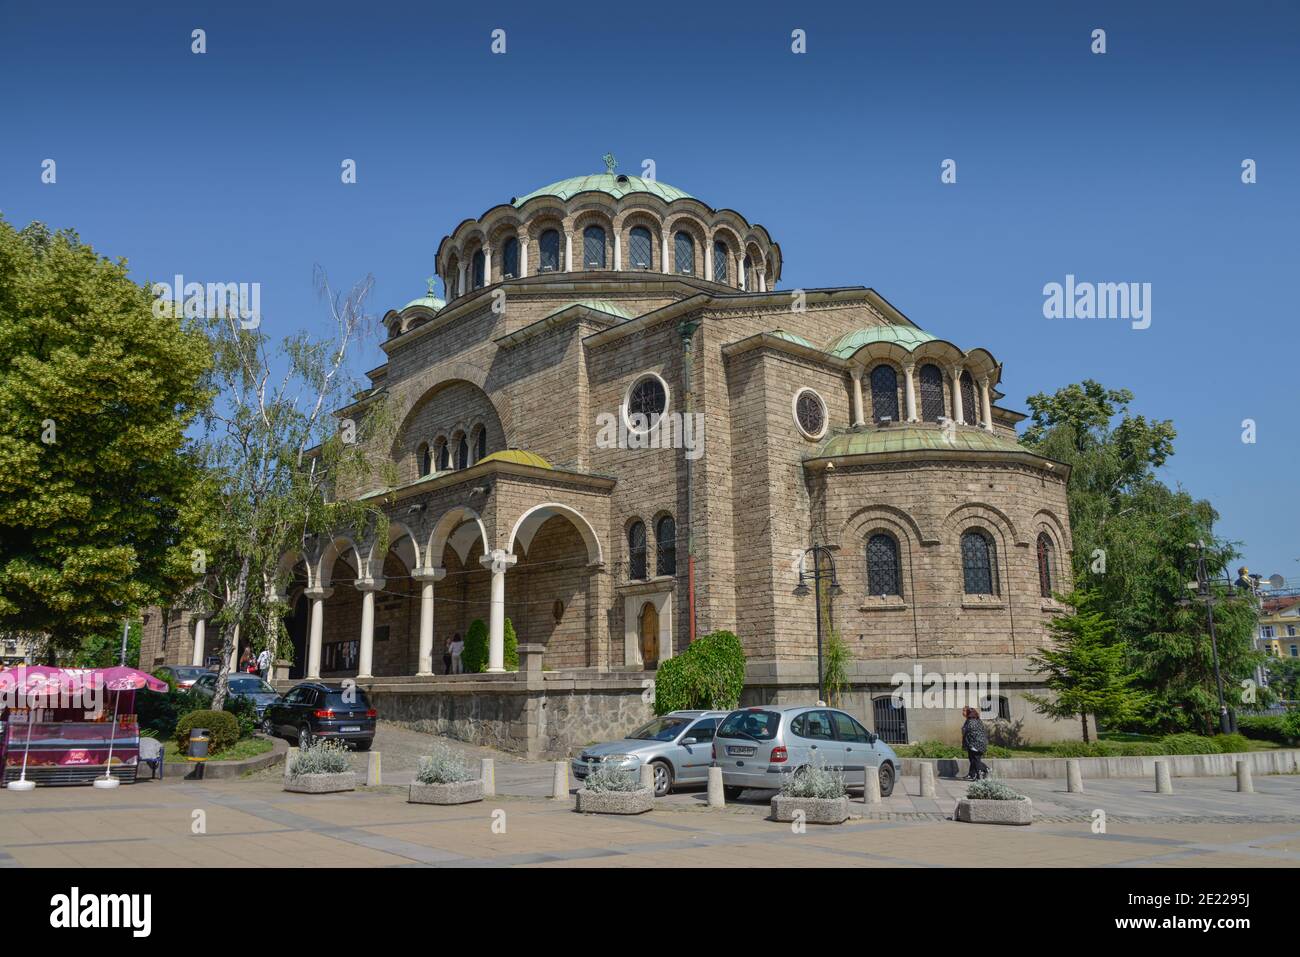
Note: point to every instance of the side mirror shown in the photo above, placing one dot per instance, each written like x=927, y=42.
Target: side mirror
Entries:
x=688, y=741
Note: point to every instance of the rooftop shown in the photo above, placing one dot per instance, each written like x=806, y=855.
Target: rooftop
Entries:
x=614, y=184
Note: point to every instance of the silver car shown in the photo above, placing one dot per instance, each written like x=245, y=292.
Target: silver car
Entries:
x=678, y=745
x=756, y=747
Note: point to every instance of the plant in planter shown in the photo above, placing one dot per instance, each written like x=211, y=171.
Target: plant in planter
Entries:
x=445, y=778
x=320, y=769
x=992, y=802
x=815, y=790
x=612, y=790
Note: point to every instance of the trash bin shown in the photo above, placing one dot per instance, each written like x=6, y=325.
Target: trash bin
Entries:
x=198, y=751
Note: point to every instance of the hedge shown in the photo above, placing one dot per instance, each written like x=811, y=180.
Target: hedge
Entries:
x=474, y=657
x=223, y=730
x=710, y=673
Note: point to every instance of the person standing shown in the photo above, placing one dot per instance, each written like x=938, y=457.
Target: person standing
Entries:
x=264, y=664
x=457, y=647
x=975, y=741
x=446, y=658
x=245, y=661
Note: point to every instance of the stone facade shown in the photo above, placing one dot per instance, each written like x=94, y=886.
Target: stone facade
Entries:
x=825, y=417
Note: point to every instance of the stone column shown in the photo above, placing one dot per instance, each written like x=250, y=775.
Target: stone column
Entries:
x=460, y=278
x=957, y=415
x=568, y=251
x=487, y=265
x=367, y=587
x=523, y=254
x=986, y=404
x=762, y=279
x=317, y=628
x=741, y=278
x=498, y=561
x=708, y=260
x=910, y=390
x=200, y=629
x=859, y=418
x=618, y=252
x=663, y=255
x=426, y=577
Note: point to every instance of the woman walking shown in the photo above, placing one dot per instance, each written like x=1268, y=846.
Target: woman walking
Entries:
x=975, y=740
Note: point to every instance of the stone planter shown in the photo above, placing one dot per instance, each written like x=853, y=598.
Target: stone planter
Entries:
x=616, y=802
x=815, y=810
x=321, y=783
x=456, y=792
x=995, y=812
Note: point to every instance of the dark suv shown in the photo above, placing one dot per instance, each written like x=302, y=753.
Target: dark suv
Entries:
x=317, y=710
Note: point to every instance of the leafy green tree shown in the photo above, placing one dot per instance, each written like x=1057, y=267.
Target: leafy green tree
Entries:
x=709, y=673
x=1284, y=677
x=104, y=649
x=1086, y=668
x=474, y=656
x=96, y=394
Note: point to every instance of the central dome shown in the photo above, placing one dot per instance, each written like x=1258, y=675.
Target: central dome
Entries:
x=614, y=184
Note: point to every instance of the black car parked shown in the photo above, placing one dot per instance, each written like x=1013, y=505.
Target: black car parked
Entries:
x=317, y=710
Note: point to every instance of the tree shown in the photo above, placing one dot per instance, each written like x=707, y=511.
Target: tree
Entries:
x=281, y=471
x=1087, y=671
x=96, y=392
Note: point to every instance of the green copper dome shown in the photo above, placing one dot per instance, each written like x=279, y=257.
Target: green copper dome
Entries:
x=429, y=302
x=615, y=184
x=912, y=439
x=792, y=337
x=599, y=305
x=909, y=337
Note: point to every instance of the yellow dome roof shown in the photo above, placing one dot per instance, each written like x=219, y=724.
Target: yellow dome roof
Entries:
x=518, y=457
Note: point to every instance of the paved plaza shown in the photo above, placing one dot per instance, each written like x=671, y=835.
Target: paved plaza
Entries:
x=252, y=822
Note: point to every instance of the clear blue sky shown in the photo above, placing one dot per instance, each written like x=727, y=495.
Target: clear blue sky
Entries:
x=1122, y=167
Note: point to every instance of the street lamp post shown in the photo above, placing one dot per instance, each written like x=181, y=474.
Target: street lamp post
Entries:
x=1205, y=593
x=817, y=551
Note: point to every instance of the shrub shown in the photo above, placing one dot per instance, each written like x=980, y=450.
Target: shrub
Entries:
x=813, y=781
x=710, y=673
x=322, y=757
x=1187, y=744
x=988, y=789
x=997, y=751
x=604, y=776
x=1263, y=727
x=1073, y=749
x=443, y=766
x=1291, y=724
x=245, y=713
x=474, y=656
x=930, y=749
x=158, y=713
x=1230, y=743
x=223, y=730
x=510, y=646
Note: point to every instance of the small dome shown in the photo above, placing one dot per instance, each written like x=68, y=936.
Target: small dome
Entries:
x=518, y=457
x=429, y=302
x=909, y=337
x=614, y=184
x=599, y=305
x=791, y=337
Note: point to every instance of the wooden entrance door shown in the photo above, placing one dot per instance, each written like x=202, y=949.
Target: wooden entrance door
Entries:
x=649, y=630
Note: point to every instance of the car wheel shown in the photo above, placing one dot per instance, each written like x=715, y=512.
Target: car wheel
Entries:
x=886, y=780
x=304, y=737
x=731, y=793
x=663, y=778
x=267, y=728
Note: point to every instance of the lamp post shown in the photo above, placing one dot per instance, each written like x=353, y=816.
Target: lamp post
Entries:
x=802, y=589
x=1203, y=591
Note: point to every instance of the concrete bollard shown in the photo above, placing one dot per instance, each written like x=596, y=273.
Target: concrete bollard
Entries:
x=716, y=794
x=647, y=776
x=1073, y=776
x=289, y=757
x=1164, y=784
x=871, y=790
x=487, y=773
x=927, y=779
x=560, y=789
x=1245, y=784
x=374, y=772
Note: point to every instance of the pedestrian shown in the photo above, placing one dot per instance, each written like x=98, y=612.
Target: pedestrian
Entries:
x=975, y=740
x=446, y=658
x=264, y=664
x=457, y=646
x=245, y=661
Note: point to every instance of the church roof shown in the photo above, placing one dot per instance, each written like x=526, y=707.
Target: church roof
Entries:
x=614, y=184
x=909, y=337
x=792, y=337
x=429, y=302
x=599, y=305
x=911, y=439
x=518, y=457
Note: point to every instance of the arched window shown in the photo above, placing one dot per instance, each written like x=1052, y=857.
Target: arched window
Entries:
x=426, y=459
x=978, y=563
x=684, y=253
x=510, y=258
x=478, y=262
x=549, y=246
x=648, y=400
x=593, y=247
x=883, y=574
x=442, y=455
x=932, y=408
x=640, y=248
x=480, y=444
x=462, y=452
x=720, y=257
x=970, y=413
x=1044, y=565
x=884, y=393
x=666, y=546
x=636, y=567
x=744, y=273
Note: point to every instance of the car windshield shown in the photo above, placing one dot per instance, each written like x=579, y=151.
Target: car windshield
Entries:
x=188, y=674
x=661, y=729
x=755, y=725
x=249, y=685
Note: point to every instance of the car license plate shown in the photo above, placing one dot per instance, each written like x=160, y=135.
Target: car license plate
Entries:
x=351, y=727
x=739, y=750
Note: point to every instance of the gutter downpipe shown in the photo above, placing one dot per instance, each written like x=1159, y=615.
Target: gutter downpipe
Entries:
x=686, y=329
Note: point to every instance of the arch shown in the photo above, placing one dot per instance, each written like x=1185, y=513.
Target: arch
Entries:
x=338, y=547
x=884, y=393
x=974, y=513
x=683, y=253
x=884, y=565
x=979, y=562
x=665, y=545
x=640, y=247
x=424, y=456
x=929, y=380
x=532, y=519
x=550, y=257
x=402, y=542
x=460, y=527
x=873, y=517
x=1046, y=518
x=637, y=567
x=594, y=239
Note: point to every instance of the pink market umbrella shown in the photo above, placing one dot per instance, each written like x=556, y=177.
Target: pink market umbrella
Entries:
x=31, y=682
x=121, y=678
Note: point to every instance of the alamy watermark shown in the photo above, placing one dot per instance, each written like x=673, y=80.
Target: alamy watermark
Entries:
x=1100, y=300
x=668, y=430
x=946, y=690
x=216, y=300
